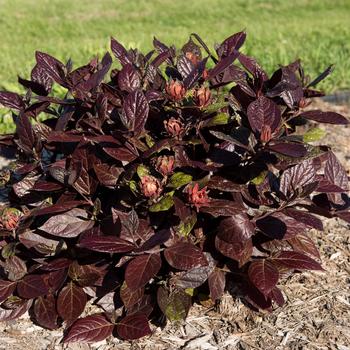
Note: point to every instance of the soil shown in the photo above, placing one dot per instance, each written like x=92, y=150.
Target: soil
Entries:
x=316, y=314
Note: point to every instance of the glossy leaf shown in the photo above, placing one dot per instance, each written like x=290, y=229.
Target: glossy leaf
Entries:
x=133, y=327
x=264, y=275
x=263, y=112
x=45, y=312
x=325, y=117
x=217, y=282
x=32, y=286
x=106, y=244
x=184, y=256
x=141, y=269
x=298, y=261
x=89, y=329
x=135, y=111
x=67, y=225
x=71, y=302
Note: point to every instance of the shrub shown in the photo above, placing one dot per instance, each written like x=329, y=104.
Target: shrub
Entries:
x=151, y=191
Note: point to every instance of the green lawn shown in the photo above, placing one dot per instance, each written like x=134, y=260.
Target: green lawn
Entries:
x=317, y=31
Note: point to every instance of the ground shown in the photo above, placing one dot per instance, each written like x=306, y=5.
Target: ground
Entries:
x=316, y=315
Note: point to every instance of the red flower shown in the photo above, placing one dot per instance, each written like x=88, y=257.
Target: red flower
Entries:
x=150, y=186
x=165, y=164
x=174, y=127
x=176, y=90
x=196, y=196
x=202, y=96
x=10, y=218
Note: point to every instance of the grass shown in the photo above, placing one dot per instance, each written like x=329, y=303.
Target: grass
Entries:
x=279, y=31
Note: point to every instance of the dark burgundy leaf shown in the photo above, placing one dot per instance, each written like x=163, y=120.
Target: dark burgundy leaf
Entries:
x=135, y=111
x=240, y=251
x=45, y=312
x=107, y=175
x=89, y=329
x=25, y=133
x=185, y=256
x=297, y=177
x=130, y=297
x=41, y=244
x=335, y=173
x=71, y=302
x=45, y=186
x=15, y=268
x=129, y=78
x=120, y=153
x=236, y=229
x=11, y=100
x=297, y=261
x=86, y=274
x=67, y=225
x=222, y=65
x=304, y=244
x=57, y=208
x=106, y=244
x=32, y=286
x=263, y=112
x=221, y=207
x=304, y=217
x=231, y=44
x=185, y=66
x=51, y=66
x=295, y=150
x=119, y=52
x=141, y=269
x=325, y=117
x=133, y=327
x=264, y=275
x=280, y=226
x=277, y=296
x=252, y=66
x=12, y=314
x=195, y=277
x=6, y=289
x=217, y=283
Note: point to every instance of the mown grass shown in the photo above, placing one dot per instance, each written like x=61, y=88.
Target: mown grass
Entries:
x=279, y=31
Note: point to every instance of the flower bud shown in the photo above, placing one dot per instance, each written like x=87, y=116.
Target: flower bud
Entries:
x=165, y=165
x=202, y=96
x=265, y=135
x=175, y=90
x=192, y=57
x=304, y=103
x=196, y=196
x=205, y=74
x=174, y=127
x=10, y=218
x=150, y=186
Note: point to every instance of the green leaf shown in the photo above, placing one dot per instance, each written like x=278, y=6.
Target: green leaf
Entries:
x=133, y=186
x=215, y=107
x=178, y=306
x=219, y=119
x=314, y=134
x=164, y=204
x=149, y=141
x=142, y=171
x=186, y=226
x=179, y=179
x=259, y=179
